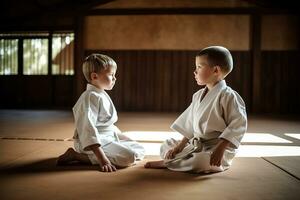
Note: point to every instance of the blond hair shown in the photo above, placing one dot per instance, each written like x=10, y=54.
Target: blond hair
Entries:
x=96, y=63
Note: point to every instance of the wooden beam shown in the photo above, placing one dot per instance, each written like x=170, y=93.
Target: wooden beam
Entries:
x=20, y=56
x=255, y=46
x=78, y=57
x=185, y=11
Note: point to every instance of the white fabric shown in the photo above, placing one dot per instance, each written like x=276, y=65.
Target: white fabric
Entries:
x=221, y=113
x=196, y=162
x=122, y=153
x=95, y=115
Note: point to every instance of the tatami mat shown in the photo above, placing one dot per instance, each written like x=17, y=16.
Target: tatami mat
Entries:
x=36, y=176
x=290, y=164
x=30, y=142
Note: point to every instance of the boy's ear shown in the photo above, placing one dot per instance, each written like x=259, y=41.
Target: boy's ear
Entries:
x=94, y=75
x=217, y=69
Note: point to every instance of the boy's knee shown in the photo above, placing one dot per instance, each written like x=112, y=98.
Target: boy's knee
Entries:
x=201, y=162
x=125, y=158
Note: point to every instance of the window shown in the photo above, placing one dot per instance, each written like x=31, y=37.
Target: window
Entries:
x=35, y=56
x=34, y=51
x=62, y=53
x=8, y=56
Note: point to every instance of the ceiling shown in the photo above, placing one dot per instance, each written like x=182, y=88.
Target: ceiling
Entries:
x=16, y=11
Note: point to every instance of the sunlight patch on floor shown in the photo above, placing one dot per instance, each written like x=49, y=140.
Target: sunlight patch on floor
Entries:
x=153, y=136
x=151, y=148
x=244, y=150
x=293, y=135
x=152, y=140
x=263, y=138
x=267, y=151
x=160, y=136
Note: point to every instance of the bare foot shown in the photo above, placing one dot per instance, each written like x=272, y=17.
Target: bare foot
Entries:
x=155, y=164
x=67, y=157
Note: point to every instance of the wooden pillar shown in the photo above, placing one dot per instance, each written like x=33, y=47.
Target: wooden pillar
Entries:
x=255, y=46
x=79, y=82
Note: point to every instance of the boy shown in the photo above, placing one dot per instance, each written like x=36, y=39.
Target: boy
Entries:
x=213, y=125
x=96, y=139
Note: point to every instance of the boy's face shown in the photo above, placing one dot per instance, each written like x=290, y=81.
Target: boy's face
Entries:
x=105, y=79
x=204, y=74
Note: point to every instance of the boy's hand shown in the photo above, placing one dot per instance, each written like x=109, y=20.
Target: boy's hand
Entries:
x=217, y=155
x=106, y=166
x=177, y=149
x=172, y=152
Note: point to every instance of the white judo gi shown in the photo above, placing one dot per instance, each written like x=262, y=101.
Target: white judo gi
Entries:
x=95, y=116
x=220, y=114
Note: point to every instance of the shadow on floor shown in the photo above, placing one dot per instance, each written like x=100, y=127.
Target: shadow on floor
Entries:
x=46, y=165
x=137, y=172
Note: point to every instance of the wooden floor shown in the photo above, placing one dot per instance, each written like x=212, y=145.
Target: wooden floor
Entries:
x=267, y=166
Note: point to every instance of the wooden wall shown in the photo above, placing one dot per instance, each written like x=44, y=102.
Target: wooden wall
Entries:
x=280, y=90
x=155, y=49
x=31, y=92
x=163, y=80
x=156, y=59
x=166, y=32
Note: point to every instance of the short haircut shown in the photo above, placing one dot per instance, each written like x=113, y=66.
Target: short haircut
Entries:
x=96, y=63
x=218, y=56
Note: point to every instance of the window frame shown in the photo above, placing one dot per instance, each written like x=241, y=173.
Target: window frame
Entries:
x=17, y=56
x=20, y=36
